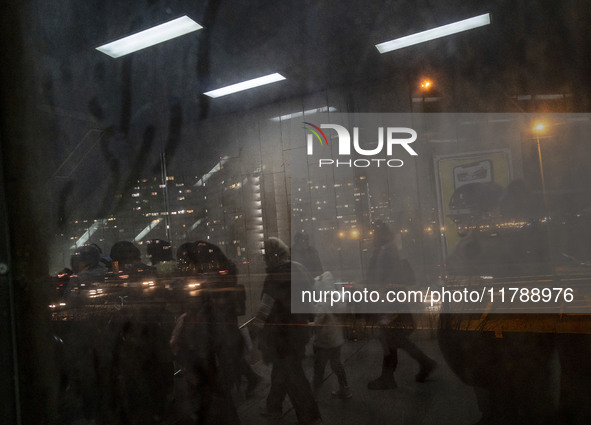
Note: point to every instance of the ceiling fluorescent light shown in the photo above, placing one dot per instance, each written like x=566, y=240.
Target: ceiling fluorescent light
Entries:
x=432, y=34
x=245, y=85
x=150, y=37
x=301, y=114
x=147, y=229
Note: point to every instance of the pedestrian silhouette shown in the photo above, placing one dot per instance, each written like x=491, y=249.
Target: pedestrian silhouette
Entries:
x=329, y=338
x=285, y=335
x=206, y=341
x=386, y=269
x=305, y=254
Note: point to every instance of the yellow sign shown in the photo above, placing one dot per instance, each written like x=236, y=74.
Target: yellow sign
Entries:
x=455, y=172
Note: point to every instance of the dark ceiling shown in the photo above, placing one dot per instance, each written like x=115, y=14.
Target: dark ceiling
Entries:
x=529, y=47
x=88, y=99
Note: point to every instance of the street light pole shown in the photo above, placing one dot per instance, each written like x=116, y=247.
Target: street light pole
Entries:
x=542, y=174
x=541, y=127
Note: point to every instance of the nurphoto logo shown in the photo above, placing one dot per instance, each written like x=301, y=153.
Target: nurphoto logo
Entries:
x=390, y=137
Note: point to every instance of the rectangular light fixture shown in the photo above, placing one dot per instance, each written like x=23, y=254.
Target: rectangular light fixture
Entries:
x=432, y=34
x=147, y=229
x=245, y=85
x=86, y=236
x=151, y=36
x=301, y=114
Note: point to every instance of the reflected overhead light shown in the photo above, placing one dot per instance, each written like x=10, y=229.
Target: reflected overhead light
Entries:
x=147, y=229
x=86, y=236
x=150, y=37
x=245, y=85
x=215, y=169
x=308, y=112
x=425, y=99
x=194, y=226
x=445, y=30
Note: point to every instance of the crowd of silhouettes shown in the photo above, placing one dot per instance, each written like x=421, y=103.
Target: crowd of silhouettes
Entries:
x=206, y=343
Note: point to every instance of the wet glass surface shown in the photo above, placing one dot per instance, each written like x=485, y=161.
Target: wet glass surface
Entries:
x=173, y=257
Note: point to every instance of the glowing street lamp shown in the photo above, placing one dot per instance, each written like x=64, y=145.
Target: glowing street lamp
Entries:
x=426, y=85
x=427, y=93
x=540, y=127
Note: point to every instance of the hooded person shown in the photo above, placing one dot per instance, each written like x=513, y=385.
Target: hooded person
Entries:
x=285, y=335
x=306, y=254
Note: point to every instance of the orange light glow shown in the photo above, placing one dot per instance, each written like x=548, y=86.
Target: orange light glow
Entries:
x=426, y=84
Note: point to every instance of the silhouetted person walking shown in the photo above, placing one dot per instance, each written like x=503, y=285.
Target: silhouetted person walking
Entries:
x=206, y=340
x=329, y=338
x=386, y=269
x=285, y=335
